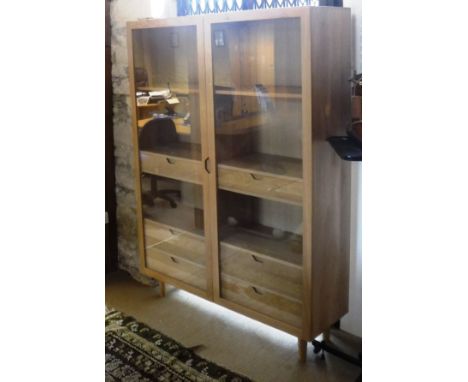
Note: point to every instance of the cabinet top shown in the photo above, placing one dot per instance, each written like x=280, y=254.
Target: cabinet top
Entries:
x=244, y=15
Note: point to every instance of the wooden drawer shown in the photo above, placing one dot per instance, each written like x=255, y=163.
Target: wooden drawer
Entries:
x=261, y=300
x=276, y=275
x=260, y=185
x=176, y=267
x=176, y=242
x=187, y=170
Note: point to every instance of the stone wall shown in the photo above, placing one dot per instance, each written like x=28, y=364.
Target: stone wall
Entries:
x=122, y=11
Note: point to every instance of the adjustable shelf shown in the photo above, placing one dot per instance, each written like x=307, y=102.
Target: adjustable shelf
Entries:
x=292, y=92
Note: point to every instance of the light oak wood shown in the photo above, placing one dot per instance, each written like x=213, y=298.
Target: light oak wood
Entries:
x=307, y=206
x=212, y=215
x=172, y=167
x=183, y=244
x=182, y=218
x=267, y=164
x=260, y=185
x=265, y=271
x=266, y=319
x=175, y=282
x=287, y=250
x=207, y=177
x=177, y=267
x=331, y=115
x=261, y=300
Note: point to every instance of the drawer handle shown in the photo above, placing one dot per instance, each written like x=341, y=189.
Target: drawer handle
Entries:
x=207, y=168
x=255, y=177
x=170, y=161
x=256, y=259
x=256, y=291
x=174, y=260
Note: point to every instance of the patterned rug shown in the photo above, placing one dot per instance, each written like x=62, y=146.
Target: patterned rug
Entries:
x=135, y=352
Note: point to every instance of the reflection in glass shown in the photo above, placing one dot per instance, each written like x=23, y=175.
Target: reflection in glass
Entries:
x=172, y=202
x=266, y=227
x=166, y=85
x=257, y=95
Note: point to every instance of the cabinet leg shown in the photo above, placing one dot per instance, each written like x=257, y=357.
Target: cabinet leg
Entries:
x=162, y=289
x=302, y=346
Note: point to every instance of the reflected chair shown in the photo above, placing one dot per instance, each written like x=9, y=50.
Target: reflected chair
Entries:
x=155, y=134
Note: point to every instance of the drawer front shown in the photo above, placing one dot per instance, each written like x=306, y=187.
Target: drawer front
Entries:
x=261, y=300
x=188, y=170
x=280, y=277
x=176, y=267
x=175, y=242
x=265, y=186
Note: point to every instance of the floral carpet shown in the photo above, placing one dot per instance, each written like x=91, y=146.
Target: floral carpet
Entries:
x=135, y=352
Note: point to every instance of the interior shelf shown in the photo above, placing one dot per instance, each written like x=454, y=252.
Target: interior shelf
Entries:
x=176, y=89
x=259, y=239
x=181, y=218
x=288, y=92
x=267, y=164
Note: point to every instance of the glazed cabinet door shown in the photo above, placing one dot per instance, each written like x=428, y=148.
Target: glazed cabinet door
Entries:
x=167, y=89
x=255, y=108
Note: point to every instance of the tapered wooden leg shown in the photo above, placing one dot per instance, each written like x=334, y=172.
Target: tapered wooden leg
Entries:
x=302, y=346
x=162, y=289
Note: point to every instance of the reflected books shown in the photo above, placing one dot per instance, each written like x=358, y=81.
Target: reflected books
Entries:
x=153, y=96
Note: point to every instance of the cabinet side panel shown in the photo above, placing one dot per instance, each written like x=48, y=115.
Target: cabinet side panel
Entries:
x=331, y=96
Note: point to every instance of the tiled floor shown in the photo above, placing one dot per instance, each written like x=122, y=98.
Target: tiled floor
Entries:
x=229, y=339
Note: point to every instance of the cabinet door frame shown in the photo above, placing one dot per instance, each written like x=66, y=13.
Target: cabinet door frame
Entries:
x=196, y=21
x=303, y=13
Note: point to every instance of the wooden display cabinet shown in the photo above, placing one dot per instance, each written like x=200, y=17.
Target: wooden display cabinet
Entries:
x=258, y=220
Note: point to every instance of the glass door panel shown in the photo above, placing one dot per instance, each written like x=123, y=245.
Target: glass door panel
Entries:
x=257, y=109
x=165, y=65
x=257, y=95
x=166, y=85
x=260, y=255
x=174, y=229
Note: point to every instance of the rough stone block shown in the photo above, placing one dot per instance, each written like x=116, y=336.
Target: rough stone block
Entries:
x=124, y=176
